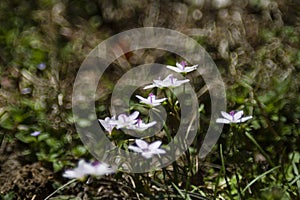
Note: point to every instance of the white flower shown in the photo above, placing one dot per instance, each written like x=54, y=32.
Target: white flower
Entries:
x=108, y=123
x=100, y=168
x=125, y=121
x=35, y=133
x=182, y=67
x=233, y=117
x=141, y=126
x=84, y=169
x=169, y=81
x=151, y=100
x=147, y=150
x=41, y=66
x=26, y=90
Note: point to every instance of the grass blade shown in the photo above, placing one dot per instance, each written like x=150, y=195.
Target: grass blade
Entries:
x=259, y=177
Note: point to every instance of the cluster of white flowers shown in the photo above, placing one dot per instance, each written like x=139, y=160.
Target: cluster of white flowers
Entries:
x=125, y=121
x=132, y=122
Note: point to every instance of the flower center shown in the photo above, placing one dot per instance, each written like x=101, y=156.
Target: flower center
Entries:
x=172, y=79
x=232, y=114
x=183, y=64
x=151, y=97
x=95, y=163
x=139, y=123
x=146, y=150
x=123, y=117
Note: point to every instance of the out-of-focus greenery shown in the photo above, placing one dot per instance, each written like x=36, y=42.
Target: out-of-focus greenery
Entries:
x=255, y=45
x=36, y=99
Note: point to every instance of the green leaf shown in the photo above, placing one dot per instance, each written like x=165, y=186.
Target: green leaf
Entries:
x=259, y=177
x=6, y=122
x=23, y=137
x=79, y=151
x=9, y=196
x=184, y=196
x=57, y=165
x=43, y=136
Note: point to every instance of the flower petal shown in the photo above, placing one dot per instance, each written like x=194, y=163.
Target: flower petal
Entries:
x=238, y=115
x=85, y=167
x=147, y=155
x=158, y=151
x=223, y=121
x=135, y=149
x=176, y=69
x=160, y=100
x=35, y=133
x=142, y=144
x=155, y=145
x=79, y=172
x=226, y=115
x=73, y=174
x=107, y=124
x=189, y=69
x=243, y=119
x=179, y=82
x=150, y=86
x=150, y=124
x=134, y=115
x=141, y=98
x=168, y=78
x=102, y=169
x=179, y=65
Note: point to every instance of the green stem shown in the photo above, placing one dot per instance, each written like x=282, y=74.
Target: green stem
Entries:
x=260, y=149
x=260, y=176
x=224, y=171
x=61, y=187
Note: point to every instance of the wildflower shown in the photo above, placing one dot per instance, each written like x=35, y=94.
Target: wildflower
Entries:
x=151, y=100
x=125, y=121
x=41, y=66
x=108, y=123
x=169, y=81
x=141, y=126
x=26, y=90
x=83, y=169
x=182, y=67
x=147, y=150
x=233, y=117
x=35, y=133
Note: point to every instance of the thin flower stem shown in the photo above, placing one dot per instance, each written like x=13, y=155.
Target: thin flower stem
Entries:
x=224, y=171
x=169, y=137
x=184, y=195
x=61, y=187
x=189, y=172
x=260, y=176
x=176, y=172
x=238, y=186
x=260, y=149
x=238, y=181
